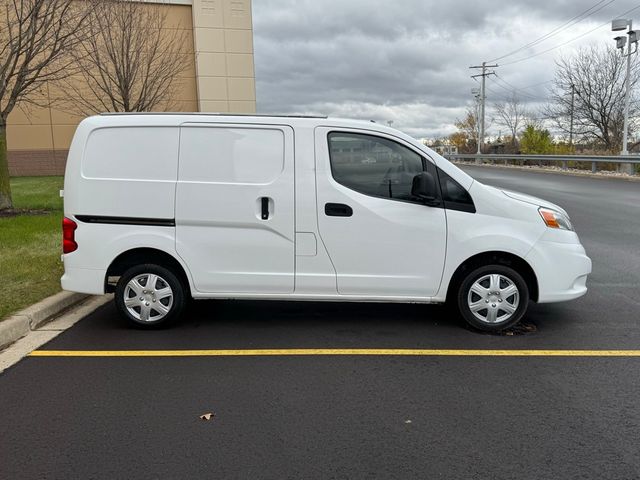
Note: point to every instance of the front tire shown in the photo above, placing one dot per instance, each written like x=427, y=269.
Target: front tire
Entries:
x=492, y=298
x=149, y=296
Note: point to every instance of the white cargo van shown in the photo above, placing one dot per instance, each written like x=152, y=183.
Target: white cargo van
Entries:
x=160, y=208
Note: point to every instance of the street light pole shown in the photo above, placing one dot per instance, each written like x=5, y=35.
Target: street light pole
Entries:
x=626, y=99
x=482, y=97
x=618, y=25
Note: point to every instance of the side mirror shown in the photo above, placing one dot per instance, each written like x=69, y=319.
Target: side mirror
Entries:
x=424, y=187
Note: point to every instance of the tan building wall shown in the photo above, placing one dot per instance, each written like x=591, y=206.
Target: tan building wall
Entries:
x=219, y=78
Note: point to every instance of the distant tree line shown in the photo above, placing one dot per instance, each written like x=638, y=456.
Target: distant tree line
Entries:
x=585, y=107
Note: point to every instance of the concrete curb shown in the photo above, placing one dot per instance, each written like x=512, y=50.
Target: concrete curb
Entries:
x=49, y=330
x=21, y=323
x=572, y=173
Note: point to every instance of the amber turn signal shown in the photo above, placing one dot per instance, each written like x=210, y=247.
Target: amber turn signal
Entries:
x=549, y=218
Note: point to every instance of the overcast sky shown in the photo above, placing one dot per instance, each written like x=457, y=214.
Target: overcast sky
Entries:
x=408, y=60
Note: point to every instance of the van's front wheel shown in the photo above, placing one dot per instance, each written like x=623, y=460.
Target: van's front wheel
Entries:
x=493, y=297
x=149, y=296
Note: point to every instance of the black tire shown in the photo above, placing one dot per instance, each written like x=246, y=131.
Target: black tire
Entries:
x=148, y=298
x=507, y=275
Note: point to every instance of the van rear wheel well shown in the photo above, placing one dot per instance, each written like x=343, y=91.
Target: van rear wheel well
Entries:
x=494, y=258
x=140, y=256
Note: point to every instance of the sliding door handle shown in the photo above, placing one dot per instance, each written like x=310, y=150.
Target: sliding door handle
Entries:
x=265, y=208
x=337, y=210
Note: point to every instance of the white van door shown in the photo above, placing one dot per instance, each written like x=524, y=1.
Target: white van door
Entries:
x=235, y=207
x=381, y=240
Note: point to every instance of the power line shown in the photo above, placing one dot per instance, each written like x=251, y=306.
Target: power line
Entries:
x=526, y=87
x=535, y=84
x=569, y=41
x=506, y=90
x=498, y=95
x=507, y=83
x=515, y=91
x=569, y=23
x=502, y=95
x=512, y=88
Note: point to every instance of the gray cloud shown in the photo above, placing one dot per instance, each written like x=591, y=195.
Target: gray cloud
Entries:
x=407, y=61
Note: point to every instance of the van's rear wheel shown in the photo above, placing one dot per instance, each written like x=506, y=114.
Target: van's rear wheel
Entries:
x=493, y=297
x=149, y=296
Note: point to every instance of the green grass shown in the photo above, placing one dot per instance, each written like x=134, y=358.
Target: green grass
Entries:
x=30, y=266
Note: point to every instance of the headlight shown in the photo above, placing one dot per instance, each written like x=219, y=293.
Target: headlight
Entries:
x=555, y=219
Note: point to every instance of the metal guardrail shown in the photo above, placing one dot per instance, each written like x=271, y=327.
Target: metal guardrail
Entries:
x=563, y=159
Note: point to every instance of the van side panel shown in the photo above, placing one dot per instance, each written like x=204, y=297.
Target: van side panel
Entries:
x=129, y=172
x=235, y=207
x=126, y=173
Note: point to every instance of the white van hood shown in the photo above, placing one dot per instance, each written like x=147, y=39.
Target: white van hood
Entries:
x=523, y=197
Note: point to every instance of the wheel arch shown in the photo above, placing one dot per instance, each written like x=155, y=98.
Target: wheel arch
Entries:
x=139, y=256
x=495, y=257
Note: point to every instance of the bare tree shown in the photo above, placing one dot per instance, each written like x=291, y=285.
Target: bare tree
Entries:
x=512, y=114
x=35, y=37
x=131, y=60
x=466, y=138
x=596, y=75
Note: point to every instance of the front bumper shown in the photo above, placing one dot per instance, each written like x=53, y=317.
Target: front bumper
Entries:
x=561, y=270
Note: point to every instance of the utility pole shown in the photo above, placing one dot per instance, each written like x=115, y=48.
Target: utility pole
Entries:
x=483, y=96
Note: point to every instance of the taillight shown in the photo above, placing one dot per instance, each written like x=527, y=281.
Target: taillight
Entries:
x=68, y=235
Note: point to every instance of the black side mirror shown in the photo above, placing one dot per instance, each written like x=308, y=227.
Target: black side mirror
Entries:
x=424, y=187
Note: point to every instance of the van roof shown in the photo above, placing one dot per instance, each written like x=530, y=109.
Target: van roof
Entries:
x=217, y=114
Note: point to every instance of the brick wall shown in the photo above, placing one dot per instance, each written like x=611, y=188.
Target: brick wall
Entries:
x=37, y=163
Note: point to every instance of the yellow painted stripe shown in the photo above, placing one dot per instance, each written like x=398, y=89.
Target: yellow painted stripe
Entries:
x=336, y=351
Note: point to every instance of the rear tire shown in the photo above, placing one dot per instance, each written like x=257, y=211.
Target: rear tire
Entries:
x=150, y=296
x=492, y=298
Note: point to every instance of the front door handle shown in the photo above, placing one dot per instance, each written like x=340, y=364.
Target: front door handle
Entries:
x=337, y=210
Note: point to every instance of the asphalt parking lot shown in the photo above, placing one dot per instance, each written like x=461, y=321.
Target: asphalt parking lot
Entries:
x=450, y=415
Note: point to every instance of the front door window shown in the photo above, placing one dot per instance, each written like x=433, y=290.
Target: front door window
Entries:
x=374, y=165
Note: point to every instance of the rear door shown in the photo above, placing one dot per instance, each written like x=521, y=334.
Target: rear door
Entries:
x=382, y=242
x=235, y=207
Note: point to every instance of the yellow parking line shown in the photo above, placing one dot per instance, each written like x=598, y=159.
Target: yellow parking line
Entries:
x=336, y=351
